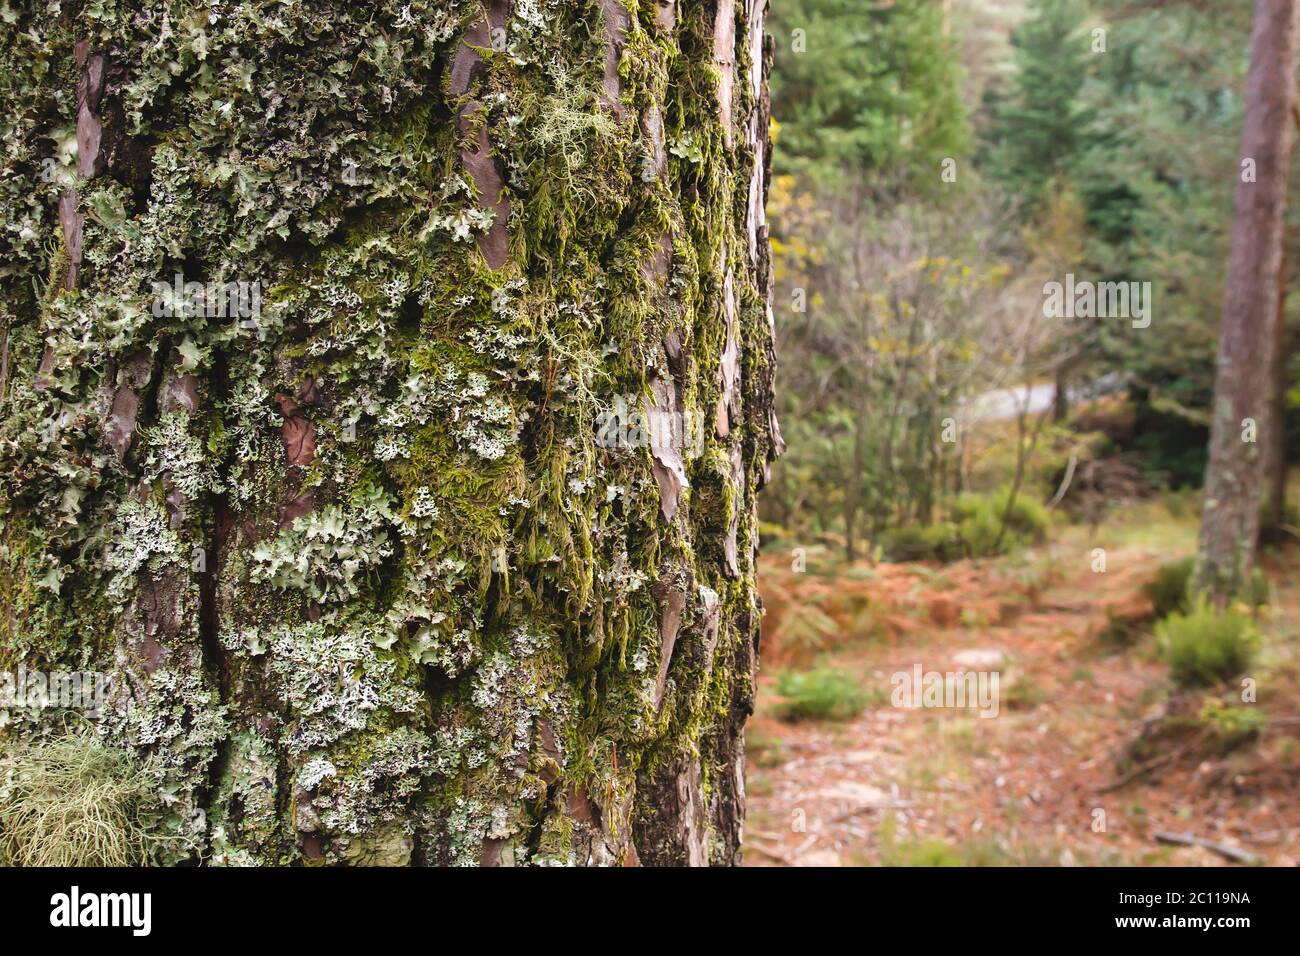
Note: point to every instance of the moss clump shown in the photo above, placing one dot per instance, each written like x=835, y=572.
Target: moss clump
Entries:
x=74, y=801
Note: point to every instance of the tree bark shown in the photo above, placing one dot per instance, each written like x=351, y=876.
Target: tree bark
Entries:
x=437, y=546
x=1234, y=476
x=1061, y=394
x=1276, y=463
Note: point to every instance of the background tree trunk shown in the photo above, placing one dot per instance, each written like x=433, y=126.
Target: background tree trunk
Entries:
x=1061, y=394
x=443, y=550
x=1276, y=456
x=1234, y=477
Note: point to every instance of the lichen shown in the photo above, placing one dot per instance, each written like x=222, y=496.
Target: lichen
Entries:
x=376, y=587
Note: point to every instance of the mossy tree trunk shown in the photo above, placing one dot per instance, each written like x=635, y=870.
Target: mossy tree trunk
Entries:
x=437, y=545
x=1234, y=479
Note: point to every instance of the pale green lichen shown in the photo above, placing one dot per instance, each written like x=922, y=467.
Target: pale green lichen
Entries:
x=141, y=540
x=369, y=673
x=329, y=555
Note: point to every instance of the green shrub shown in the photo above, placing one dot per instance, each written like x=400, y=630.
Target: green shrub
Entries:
x=73, y=801
x=938, y=542
x=1029, y=516
x=1171, y=588
x=1168, y=590
x=979, y=518
x=973, y=531
x=821, y=694
x=979, y=530
x=1205, y=645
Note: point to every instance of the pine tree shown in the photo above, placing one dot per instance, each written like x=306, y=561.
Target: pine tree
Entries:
x=1234, y=478
x=1043, y=126
x=867, y=89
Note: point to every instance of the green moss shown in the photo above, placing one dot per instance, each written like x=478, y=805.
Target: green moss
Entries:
x=364, y=659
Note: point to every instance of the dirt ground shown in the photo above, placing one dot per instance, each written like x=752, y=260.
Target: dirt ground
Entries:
x=1054, y=777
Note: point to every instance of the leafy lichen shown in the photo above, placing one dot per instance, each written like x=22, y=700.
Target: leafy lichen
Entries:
x=378, y=591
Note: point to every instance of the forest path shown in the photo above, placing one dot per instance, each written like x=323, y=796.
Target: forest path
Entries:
x=946, y=786
x=1004, y=403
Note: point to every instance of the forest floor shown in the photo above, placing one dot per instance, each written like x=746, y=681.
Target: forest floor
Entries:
x=1093, y=751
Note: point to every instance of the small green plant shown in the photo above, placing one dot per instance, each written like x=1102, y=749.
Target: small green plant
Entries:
x=974, y=530
x=1168, y=590
x=979, y=533
x=74, y=801
x=980, y=519
x=821, y=694
x=1232, y=724
x=1205, y=645
x=912, y=851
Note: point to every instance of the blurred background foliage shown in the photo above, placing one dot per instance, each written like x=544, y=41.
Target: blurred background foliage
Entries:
x=937, y=162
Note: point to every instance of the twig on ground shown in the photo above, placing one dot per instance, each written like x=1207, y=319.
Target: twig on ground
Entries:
x=868, y=807
x=1269, y=836
x=1143, y=769
x=1235, y=854
x=1146, y=725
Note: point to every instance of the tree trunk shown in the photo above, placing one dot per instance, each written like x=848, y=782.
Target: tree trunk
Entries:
x=1233, y=481
x=434, y=544
x=1061, y=395
x=1275, y=449
x=853, y=504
